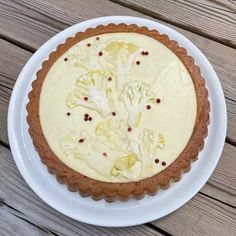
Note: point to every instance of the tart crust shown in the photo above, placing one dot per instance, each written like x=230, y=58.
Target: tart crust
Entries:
x=111, y=191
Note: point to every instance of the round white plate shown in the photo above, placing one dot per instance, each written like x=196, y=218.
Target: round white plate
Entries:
x=118, y=213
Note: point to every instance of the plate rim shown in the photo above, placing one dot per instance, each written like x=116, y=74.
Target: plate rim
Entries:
x=20, y=79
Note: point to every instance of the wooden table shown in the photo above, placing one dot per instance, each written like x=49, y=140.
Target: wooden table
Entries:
x=25, y=25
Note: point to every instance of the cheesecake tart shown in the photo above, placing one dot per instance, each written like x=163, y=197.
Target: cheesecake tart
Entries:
x=118, y=111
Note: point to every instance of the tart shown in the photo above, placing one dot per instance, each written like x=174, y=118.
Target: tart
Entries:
x=118, y=111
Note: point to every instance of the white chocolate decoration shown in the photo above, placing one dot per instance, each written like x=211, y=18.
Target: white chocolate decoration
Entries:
x=118, y=108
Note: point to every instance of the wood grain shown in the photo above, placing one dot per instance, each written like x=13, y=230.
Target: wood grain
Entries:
x=4, y=101
x=200, y=216
x=28, y=24
x=200, y=17
x=11, y=51
x=15, y=226
x=223, y=58
x=205, y=214
x=12, y=60
x=28, y=33
x=15, y=192
x=222, y=184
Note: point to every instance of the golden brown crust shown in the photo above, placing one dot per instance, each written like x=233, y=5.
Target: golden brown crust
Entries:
x=123, y=191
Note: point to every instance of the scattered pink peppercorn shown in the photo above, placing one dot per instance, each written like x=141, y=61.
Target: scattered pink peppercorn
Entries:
x=89, y=45
x=148, y=107
x=104, y=154
x=163, y=163
x=97, y=38
x=138, y=62
x=85, y=98
x=90, y=118
x=156, y=161
x=81, y=140
x=129, y=129
x=86, y=115
x=144, y=53
x=68, y=113
x=65, y=59
x=109, y=79
x=86, y=118
x=113, y=113
x=100, y=54
x=158, y=100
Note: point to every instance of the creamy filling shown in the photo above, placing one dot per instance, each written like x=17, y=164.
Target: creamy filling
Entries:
x=119, y=108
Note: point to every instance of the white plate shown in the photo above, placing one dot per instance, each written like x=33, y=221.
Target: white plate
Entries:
x=101, y=213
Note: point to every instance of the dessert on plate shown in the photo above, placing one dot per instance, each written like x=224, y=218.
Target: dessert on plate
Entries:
x=118, y=111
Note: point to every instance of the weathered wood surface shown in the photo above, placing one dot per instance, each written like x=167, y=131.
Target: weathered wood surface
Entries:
x=25, y=25
x=213, y=19
x=201, y=216
x=12, y=224
x=222, y=57
x=207, y=214
x=15, y=192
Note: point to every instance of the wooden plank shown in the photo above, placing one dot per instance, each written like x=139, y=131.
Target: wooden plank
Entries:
x=15, y=192
x=12, y=60
x=30, y=34
x=207, y=231
x=222, y=184
x=200, y=216
x=4, y=100
x=14, y=226
x=223, y=58
x=200, y=17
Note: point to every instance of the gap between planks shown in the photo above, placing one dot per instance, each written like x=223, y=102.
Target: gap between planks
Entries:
x=148, y=8
x=223, y=65
x=16, y=213
x=12, y=224
x=24, y=200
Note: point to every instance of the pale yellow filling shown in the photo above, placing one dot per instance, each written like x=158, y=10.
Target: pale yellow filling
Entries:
x=109, y=151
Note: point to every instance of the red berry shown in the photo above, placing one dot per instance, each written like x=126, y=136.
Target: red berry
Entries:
x=100, y=54
x=104, y=154
x=129, y=129
x=68, y=113
x=148, y=107
x=85, y=118
x=109, y=79
x=113, y=113
x=90, y=118
x=137, y=62
x=86, y=115
x=89, y=44
x=158, y=100
x=163, y=163
x=145, y=53
x=81, y=140
x=85, y=98
x=156, y=161
x=65, y=59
